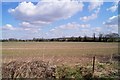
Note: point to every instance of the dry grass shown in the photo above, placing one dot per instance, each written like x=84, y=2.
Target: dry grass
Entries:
x=24, y=59
x=57, y=52
x=46, y=71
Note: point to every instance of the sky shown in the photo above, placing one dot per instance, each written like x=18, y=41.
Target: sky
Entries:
x=58, y=18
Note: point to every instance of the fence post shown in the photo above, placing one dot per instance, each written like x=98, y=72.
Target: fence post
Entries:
x=12, y=74
x=111, y=56
x=93, y=65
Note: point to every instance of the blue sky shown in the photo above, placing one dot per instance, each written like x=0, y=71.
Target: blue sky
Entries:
x=58, y=19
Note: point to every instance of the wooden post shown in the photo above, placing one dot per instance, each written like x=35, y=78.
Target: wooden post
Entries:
x=111, y=58
x=43, y=53
x=12, y=74
x=93, y=65
x=43, y=56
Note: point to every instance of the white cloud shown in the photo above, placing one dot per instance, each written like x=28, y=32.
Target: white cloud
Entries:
x=112, y=21
x=75, y=29
x=8, y=27
x=114, y=7
x=112, y=24
x=46, y=12
x=24, y=27
x=85, y=25
x=70, y=29
x=71, y=26
x=97, y=29
x=94, y=4
x=91, y=17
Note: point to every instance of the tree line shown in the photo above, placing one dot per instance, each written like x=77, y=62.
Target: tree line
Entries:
x=111, y=37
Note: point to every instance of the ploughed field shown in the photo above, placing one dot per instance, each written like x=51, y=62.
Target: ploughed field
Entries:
x=59, y=60
x=57, y=52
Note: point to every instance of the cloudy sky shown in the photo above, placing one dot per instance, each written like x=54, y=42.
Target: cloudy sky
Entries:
x=55, y=18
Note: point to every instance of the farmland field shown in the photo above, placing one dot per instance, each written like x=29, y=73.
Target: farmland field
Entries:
x=23, y=59
x=57, y=52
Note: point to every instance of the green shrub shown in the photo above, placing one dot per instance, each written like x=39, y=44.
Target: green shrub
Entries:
x=68, y=72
